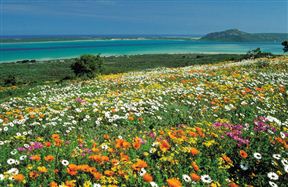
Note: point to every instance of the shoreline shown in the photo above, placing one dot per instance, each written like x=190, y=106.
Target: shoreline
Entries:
x=43, y=60
x=98, y=39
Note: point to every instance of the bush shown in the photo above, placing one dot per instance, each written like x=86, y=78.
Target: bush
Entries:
x=256, y=53
x=10, y=81
x=285, y=44
x=87, y=66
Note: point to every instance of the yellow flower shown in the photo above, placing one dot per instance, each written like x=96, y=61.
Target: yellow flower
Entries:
x=29, y=167
x=87, y=184
x=42, y=169
x=209, y=143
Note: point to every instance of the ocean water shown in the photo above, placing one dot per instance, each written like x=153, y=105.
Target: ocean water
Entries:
x=67, y=49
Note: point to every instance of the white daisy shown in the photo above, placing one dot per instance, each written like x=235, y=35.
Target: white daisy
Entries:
x=65, y=162
x=14, y=152
x=96, y=185
x=13, y=171
x=284, y=162
x=10, y=161
x=142, y=172
x=258, y=156
x=23, y=157
x=206, y=179
x=286, y=168
x=276, y=156
x=186, y=178
x=244, y=165
x=272, y=176
x=273, y=184
x=153, y=184
x=104, y=147
x=282, y=134
x=1, y=177
x=152, y=150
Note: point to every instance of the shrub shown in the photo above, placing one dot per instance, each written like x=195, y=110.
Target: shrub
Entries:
x=10, y=81
x=256, y=53
x=87, y=66
x=285, y=44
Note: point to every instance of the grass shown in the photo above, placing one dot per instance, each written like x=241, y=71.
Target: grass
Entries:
x=30, y=74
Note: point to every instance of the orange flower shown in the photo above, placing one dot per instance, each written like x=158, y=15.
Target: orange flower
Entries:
x=18, y=177
x=174, y=182
x=33, y=174
x=164, y=145
x=137, y=143
x=72, y=169
x=53, y=184
x=106, y=136
x=105, y=159
x=120, y=143
x=232, y=184
x=227, y=159
x=35, y=157
x=195, y=177
x=84, y=167
x=147, y=177
x=243, y=154
x=124, y=158
x=95, y=149
x=96, y=158
x=130, y=118
x=70, y=183
x=49, y=158
x=200, y=132
x=109, y=173
x=114, y=161
x=139, y=165
x=195, y=166
x=194, y=151
x=55, y=136
x=47, y=144
x=97, y=175
x=193, y=134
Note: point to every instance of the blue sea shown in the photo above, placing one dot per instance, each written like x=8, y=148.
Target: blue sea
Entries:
x=66, y=49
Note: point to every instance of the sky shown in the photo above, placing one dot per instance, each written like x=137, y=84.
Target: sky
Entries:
x=85, y=17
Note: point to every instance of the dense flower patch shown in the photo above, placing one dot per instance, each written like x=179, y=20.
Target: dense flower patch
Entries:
x=210, y=125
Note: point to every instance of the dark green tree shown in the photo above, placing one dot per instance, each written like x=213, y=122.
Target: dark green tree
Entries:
x=88, y=66
x=10, y=81
x=285, y=44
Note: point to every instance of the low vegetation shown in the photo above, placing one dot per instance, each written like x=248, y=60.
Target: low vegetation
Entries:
x=28, y=75
x=212, y=125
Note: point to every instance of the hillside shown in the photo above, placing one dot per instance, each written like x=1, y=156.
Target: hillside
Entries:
x=202, y=125
x=235, y=35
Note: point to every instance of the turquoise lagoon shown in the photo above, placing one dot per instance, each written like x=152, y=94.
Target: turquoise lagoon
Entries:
x=67, y=49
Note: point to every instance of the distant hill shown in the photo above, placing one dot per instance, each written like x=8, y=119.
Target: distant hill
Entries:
x=235, y=35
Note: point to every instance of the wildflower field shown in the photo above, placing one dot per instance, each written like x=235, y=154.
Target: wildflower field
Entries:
x=203, y=125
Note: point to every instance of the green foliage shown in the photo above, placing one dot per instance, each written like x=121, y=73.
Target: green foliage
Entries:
x=10, y=81
x=88, y=66
x=285, y=44
x=256, y=53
